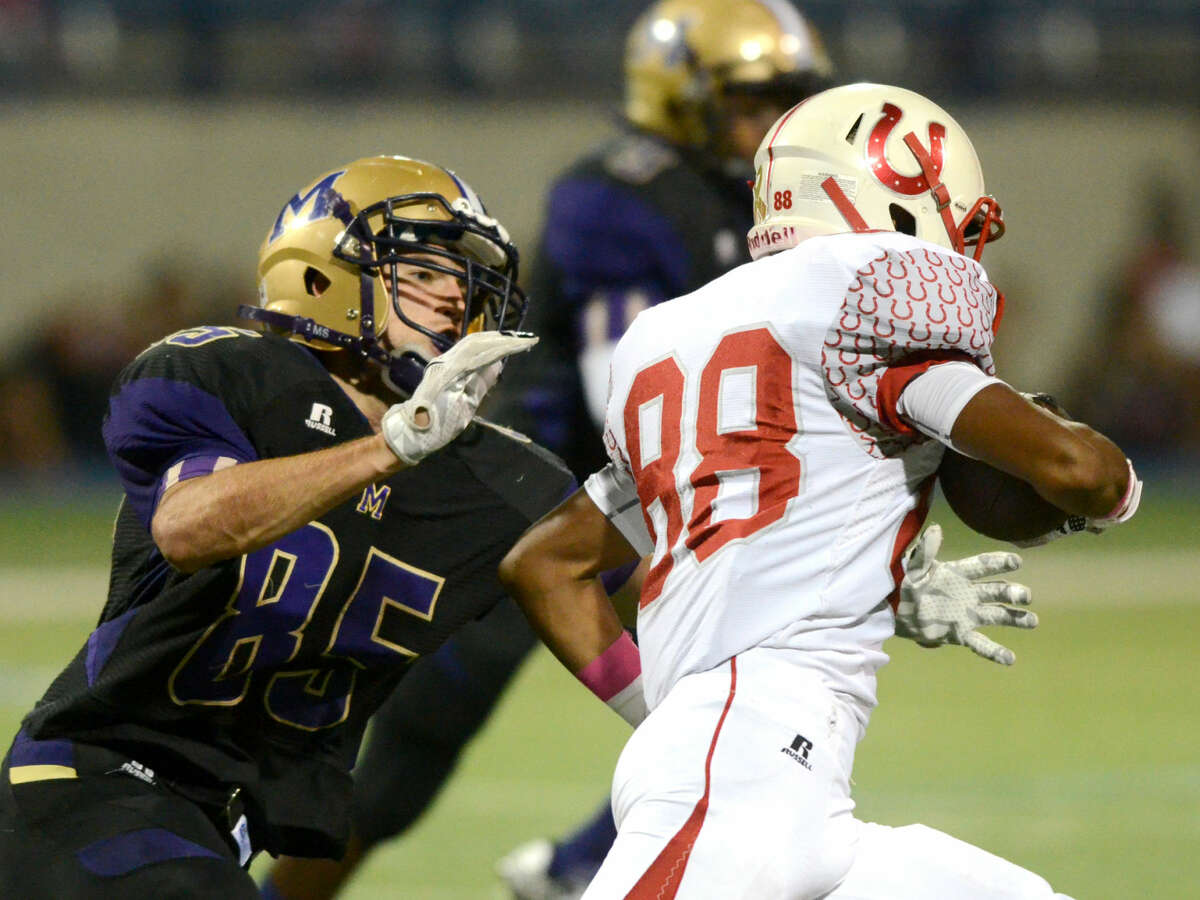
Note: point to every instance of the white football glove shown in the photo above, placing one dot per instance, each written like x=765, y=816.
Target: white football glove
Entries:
x=942, y=603
x=1123, y=512
x=449, y=393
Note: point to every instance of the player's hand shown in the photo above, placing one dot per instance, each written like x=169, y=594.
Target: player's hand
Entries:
x=1123, y=512
x=944, y=603
x=1075, y=524
x=449, y=393
x=1047, y=402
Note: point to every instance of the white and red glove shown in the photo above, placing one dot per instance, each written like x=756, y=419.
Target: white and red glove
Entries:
x=944, y=603
x=449, y=393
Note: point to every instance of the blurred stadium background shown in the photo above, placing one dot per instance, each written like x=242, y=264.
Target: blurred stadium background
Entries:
x=146, y=147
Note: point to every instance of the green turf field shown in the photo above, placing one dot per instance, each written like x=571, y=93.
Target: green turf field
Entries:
x=1082, y=762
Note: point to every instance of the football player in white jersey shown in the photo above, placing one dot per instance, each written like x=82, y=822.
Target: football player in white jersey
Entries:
x=774, y=437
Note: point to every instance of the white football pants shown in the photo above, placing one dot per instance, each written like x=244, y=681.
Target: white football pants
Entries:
x=738, y=786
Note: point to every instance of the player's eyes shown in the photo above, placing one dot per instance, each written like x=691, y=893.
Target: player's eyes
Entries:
x=414, y=274
x=425, y=277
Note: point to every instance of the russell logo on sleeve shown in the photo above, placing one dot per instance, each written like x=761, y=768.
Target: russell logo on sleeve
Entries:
x=321, y=419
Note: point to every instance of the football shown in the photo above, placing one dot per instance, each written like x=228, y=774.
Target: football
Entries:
x=994, y=503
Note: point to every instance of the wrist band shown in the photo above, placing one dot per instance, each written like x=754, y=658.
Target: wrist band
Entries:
x=615, y=676
x=1128, y=503
x=613, y=670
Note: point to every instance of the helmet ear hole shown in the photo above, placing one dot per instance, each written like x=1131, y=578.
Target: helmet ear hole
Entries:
x=902, y=220
x=853, y=132
x=315, y=282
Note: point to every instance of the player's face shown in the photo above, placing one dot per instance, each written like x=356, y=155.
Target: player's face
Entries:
x=430, y=298
x=747, y=120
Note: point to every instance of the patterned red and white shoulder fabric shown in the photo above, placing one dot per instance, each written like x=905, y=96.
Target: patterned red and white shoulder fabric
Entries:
x=905, y=311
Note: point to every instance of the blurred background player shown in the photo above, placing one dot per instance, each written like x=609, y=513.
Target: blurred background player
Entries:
x=657, y=211
x=774, y=438
x=660, y=209
x=279, y=560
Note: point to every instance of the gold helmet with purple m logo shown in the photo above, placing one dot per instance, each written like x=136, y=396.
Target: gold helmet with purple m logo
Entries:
x=324, y=269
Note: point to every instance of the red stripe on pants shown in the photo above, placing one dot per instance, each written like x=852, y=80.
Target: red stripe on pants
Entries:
x=910, y=527
x=661, y=880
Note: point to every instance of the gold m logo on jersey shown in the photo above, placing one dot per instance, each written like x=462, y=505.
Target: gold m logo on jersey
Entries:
x=372, y=500
x=877, y=153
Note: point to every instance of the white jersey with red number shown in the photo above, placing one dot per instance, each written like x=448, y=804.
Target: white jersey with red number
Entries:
x=754, y=422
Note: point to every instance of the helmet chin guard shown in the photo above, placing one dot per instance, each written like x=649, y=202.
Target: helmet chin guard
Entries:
x=404, y=371
x=401, y=369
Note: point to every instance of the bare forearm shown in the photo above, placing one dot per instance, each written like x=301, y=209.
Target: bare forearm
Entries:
x=553, y=572
x=246, y=507
x=574, y=618
x=1071, y=465
x=1090, y=482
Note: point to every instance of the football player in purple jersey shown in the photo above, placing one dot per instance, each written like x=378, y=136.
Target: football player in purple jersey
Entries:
x=300, y=523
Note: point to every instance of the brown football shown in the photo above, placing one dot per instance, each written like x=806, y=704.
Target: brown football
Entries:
x=994, y=503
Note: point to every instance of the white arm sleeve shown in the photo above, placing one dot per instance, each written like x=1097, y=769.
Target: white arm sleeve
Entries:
x=933, y=400
x=613, y=491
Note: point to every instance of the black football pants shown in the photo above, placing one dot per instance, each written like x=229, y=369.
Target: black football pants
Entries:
x=114, y=837
x=416, y=737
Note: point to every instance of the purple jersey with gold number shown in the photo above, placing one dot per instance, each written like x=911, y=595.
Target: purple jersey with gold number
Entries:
x=261, y=671
x=633, y=223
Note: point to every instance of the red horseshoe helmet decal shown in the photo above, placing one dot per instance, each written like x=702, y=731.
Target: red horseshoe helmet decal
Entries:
x=877, y=158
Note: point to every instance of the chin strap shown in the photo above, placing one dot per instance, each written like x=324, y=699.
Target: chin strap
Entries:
x=402, y=371
x=991, y=227
x=302, y=326
x=939, y=191
x=993, y=218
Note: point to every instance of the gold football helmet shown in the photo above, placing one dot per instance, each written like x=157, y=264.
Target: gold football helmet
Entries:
x=684, y=59
x=870, y=156
x=321, y=267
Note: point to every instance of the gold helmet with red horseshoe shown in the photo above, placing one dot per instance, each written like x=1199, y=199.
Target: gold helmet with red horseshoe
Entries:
x=869, y=156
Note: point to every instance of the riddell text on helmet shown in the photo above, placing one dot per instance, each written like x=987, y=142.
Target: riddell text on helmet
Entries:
x=775, y=234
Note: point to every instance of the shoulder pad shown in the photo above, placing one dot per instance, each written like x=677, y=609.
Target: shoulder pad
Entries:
x=528, y=477
x=203, y=334
x=224, y=360
x=903, y=308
